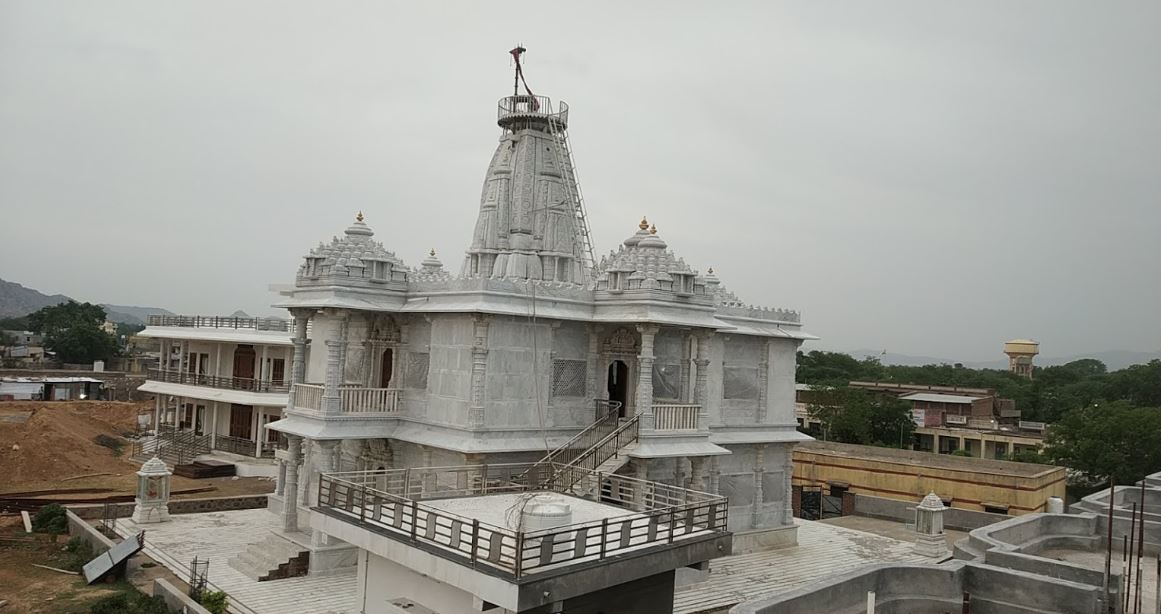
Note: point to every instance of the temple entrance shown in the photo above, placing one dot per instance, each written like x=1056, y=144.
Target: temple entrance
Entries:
x=386, y=367
x=618, y=387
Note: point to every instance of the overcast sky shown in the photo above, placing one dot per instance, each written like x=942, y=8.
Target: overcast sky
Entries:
x=922, y=177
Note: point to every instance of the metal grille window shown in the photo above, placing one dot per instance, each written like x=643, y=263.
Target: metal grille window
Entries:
x=417, y=366
x=568, y=378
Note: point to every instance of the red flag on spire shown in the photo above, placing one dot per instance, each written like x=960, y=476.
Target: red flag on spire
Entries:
x=516, y=53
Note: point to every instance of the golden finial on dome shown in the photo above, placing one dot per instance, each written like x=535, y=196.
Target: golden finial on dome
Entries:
x=359, y=217
x=653, y=230
x=433, y=252
x=711, y=270
x=644, y=223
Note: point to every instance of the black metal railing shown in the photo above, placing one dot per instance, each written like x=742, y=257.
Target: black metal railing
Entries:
x=397, y=503
x=172, y=444
x=214, y=381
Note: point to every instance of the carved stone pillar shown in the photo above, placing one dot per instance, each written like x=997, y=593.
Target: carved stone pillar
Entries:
x=344, y=327
x=327, y=449
x=280, y=485
x=298, y=362
x=290, y=505
x=331, y=402
x=715, y=475
x=645, y=375
x=641, y=468
x=763, y=383
x=428, y=478
x=788, y=484
x=591, y=383
x=697, y=473
x=759, y=469
x=479, y=370
x=304, y=478
x=700, y=385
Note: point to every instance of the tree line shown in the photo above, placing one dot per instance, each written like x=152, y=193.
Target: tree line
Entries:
x=1102, y=424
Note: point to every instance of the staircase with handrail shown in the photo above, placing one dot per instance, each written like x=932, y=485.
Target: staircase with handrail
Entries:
x=597, y=448
x=171, y=445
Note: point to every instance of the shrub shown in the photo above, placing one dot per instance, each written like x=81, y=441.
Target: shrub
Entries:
x=214, y=601
x=76, y=553
x=112, y=443
x=51, y=519
x=130, y=602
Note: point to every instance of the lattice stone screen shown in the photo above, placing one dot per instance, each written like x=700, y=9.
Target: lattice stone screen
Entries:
x=568, y=378
x=740, y=382
x=417, y=366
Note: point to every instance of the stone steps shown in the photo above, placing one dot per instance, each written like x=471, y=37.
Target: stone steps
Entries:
x=273, y=558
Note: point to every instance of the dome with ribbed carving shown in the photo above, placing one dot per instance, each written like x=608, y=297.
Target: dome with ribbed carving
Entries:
x=644, y=262
x=355, y=259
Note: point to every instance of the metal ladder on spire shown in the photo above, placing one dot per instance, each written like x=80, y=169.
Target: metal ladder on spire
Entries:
x=580, y=218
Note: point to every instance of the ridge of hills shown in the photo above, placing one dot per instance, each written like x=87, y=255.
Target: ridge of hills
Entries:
x=17, y=300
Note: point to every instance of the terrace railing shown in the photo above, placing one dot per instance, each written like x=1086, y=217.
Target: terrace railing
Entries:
x=260, y=324
x=214, y=381
x=396, y=503
x=675, y=417
x=235, y=445
x=352, y=399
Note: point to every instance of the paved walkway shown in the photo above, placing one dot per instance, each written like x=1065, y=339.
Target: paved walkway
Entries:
x=218, y=537
x=822, y=550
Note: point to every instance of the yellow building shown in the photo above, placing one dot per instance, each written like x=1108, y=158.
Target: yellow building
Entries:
x=966, y=483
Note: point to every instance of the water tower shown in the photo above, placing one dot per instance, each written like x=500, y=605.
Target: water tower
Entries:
x=1020, y=354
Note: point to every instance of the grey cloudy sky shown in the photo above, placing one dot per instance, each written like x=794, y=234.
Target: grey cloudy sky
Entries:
x=924, y=177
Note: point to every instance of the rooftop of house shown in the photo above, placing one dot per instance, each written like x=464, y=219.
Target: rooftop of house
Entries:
x=932, y=397
x=927, y=459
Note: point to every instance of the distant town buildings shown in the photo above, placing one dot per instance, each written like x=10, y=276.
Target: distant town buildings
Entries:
x=1020, y=354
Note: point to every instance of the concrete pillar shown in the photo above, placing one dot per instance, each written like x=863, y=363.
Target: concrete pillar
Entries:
x=290, y=506
x=479, y=370
x=259, y=436
x=214, y=426
x=331, y=402
x=156, y=412
x=645, y=376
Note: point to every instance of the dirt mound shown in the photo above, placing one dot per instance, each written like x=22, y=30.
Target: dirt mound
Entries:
x=42, y=442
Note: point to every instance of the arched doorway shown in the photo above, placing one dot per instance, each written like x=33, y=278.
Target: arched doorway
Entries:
x=618, y=388
x=386, y=368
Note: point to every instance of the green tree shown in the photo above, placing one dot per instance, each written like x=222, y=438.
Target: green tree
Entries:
x=73, y=331
x=1107, y=440
x=850, y=415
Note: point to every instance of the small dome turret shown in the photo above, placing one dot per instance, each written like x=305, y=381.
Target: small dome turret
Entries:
x=355, y=259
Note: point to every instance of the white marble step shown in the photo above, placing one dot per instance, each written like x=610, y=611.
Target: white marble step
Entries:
x=260, y=558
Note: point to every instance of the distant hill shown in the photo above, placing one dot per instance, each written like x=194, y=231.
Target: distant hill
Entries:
x=1113, y=359
x=16, y=301
x=128, y=314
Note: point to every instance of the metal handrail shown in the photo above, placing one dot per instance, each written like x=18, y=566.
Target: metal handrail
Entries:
x=215, y=381
x=392, y=503
x=590, y=433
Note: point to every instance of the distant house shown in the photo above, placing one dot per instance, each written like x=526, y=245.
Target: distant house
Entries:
x=50, y=388
x=25, y=337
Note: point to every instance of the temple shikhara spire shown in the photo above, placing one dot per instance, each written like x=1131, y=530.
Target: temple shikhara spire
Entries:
x=532, y=222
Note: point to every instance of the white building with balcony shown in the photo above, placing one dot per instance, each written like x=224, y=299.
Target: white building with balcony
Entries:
x=219, y=382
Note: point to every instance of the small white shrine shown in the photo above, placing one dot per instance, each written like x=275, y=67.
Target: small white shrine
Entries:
x=930, y=540
x=152, y=502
